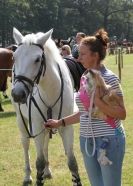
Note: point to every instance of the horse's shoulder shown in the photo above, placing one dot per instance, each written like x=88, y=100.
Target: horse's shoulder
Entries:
x=6, y=60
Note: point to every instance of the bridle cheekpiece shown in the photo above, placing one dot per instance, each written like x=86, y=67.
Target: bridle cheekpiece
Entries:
x=41, y=71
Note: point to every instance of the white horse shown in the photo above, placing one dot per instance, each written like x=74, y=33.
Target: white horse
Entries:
x=42, y=89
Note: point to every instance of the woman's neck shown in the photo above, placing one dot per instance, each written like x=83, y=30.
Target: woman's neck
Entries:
x=96, y=67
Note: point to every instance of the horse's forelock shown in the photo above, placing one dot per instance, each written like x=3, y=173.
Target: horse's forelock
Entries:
x=29, y=39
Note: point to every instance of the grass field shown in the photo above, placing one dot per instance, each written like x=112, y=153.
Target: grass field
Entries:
x=11, y=153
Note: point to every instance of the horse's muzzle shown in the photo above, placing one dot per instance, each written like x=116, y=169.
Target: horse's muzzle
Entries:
x=19, y=96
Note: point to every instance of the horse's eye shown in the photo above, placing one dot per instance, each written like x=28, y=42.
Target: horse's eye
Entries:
x=37, y=60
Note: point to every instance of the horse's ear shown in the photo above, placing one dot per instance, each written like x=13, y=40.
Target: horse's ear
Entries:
x=17, y=36
x=42, y=38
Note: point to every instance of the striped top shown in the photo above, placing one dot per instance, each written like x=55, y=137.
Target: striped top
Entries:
x=98, y=127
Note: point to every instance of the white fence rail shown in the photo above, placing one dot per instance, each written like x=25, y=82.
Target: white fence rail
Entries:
x=4, y=69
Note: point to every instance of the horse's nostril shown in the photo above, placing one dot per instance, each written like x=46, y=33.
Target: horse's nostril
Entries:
x=19, y=96
x=23, y=94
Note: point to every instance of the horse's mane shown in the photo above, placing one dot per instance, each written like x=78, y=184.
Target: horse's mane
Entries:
x=52, y=52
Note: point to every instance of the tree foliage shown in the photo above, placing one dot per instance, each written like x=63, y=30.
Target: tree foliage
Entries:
x=66, y=17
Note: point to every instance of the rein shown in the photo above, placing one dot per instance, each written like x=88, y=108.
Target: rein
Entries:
x=49, y=108
x=24, y=79
x=29, y=131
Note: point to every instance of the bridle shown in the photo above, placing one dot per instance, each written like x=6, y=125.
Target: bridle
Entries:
x=36, y=80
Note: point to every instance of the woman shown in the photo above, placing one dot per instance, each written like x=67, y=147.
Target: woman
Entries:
x=102, y=145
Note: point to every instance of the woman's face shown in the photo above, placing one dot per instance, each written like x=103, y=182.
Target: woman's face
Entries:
x=64, y=52
x=88, y=58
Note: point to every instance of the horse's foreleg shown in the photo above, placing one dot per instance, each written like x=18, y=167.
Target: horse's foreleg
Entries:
x=40, y=162
x=47, y=171
x=67, y=138
x=40, y=165
x=27, y=178
x=26, y=143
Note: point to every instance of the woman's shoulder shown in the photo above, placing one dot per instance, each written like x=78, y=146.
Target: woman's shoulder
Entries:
x=109, y=74
x=111, y=78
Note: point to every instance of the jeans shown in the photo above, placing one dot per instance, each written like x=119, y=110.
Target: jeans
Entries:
x=104, y=175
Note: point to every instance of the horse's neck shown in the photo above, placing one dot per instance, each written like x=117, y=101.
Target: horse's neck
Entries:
x=50, y=84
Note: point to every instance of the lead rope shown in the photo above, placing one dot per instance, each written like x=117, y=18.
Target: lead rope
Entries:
x=49, y=108
x=90, y=124
x=26, y=128
x=29, y=130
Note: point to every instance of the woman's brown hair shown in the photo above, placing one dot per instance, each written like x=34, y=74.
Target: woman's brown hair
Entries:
x=97, y=43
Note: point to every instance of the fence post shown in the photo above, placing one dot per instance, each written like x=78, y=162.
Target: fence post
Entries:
x=122, y=58
x=119, y=63
x=116, y=53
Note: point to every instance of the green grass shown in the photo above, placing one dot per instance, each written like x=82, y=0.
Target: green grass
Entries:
x=11, y=153
x=127, y=85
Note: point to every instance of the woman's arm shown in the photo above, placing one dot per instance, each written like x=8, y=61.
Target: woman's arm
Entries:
x=68, y=120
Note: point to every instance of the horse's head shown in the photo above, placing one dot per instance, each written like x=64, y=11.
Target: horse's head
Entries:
x=29, y=63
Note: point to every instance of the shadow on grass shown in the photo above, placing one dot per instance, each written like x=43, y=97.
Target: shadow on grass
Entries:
x=7, y=114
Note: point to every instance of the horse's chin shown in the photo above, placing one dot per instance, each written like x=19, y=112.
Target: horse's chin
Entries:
x=23, y=101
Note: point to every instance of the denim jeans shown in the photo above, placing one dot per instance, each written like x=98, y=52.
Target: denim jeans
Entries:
x=104, y=175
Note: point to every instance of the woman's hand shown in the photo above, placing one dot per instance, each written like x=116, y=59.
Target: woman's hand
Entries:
x=51, y=123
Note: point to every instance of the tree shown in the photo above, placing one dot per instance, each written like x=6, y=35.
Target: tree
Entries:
x=66, y=17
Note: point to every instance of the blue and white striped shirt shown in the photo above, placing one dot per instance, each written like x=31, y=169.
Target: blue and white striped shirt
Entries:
x=99, y=127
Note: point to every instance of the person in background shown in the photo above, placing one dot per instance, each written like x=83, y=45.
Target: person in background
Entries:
x=66, y=52
x=75, y=48
x=75, y=68
x=102, y=143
